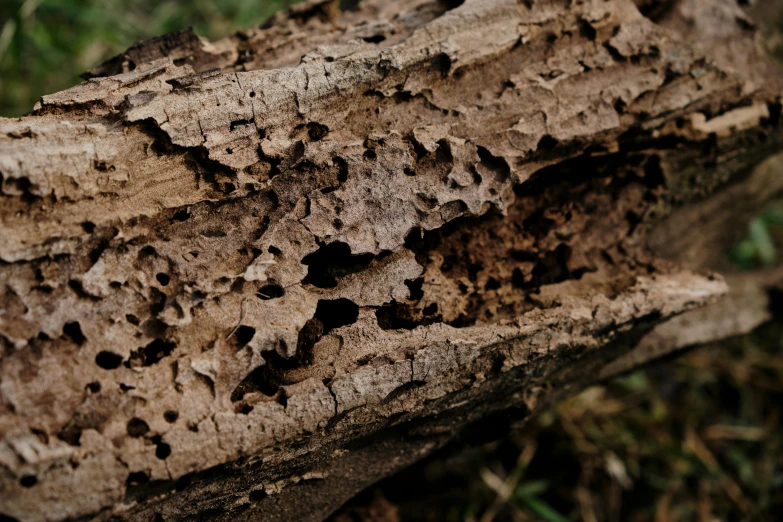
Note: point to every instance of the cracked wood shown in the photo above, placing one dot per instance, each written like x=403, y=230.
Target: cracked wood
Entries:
x=241, y=257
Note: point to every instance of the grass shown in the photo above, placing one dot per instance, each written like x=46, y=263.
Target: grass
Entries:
x=46, y=44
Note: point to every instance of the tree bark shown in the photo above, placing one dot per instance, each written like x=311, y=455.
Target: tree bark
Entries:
x=245, y=279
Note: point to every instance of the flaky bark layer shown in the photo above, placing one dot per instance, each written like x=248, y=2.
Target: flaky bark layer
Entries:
x=248, y=278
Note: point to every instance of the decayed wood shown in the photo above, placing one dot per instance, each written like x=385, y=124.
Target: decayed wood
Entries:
x=245, y=279
x=746, y=307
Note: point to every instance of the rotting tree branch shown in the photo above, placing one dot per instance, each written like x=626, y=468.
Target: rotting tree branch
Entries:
x=256, y=275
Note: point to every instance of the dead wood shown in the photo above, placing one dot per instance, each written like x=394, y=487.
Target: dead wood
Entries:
x=245, y=279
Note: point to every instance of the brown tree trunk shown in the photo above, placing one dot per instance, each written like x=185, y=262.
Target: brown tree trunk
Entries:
x=245, y=279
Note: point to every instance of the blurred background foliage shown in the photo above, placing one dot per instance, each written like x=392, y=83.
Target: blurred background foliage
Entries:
x=46, y=44
x=759, y=248
x=697, y=438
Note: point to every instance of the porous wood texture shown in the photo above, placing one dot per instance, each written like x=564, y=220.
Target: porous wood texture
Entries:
x=242, y=280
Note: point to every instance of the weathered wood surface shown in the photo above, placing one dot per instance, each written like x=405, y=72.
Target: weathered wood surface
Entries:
x=245, y=279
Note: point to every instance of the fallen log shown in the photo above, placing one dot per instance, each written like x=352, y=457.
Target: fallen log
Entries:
x=246, y=279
